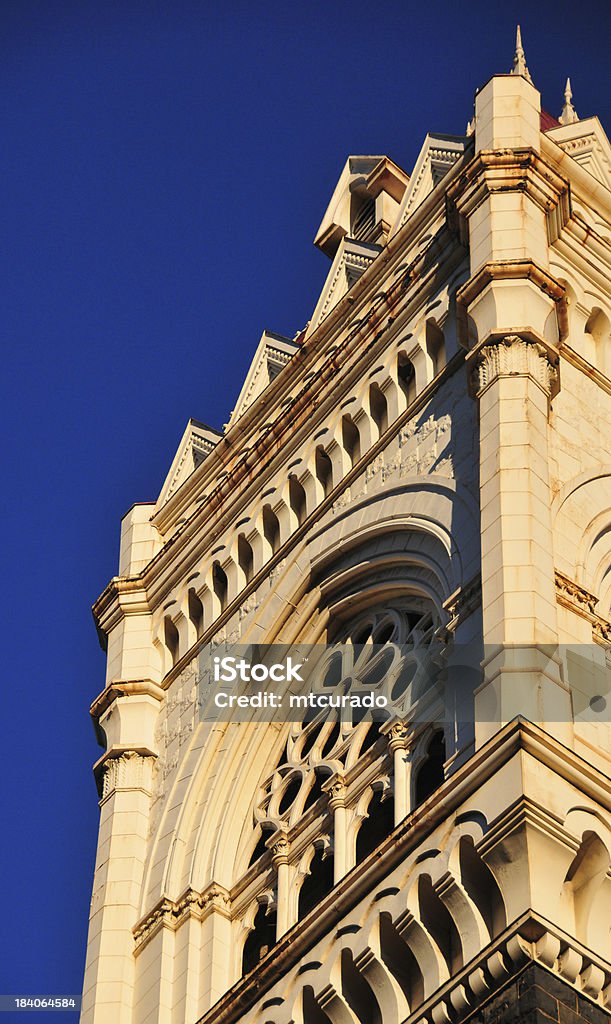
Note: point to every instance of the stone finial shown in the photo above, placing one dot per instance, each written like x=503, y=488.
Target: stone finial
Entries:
x=519, y=60
x=569, y=115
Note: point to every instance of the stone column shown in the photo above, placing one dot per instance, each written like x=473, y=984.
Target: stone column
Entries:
x=336, y=788
x=398, y=743
x=108, y=988
x=513, y=378
x=280, y=848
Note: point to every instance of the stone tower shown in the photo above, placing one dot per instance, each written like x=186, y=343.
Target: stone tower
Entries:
x=425, y=468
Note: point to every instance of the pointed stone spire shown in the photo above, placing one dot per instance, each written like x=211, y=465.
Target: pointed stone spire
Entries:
x=569, y=115
x=519, y=60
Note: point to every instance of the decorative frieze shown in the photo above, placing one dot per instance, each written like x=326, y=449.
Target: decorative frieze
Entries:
x=463, y=602
x=571, y=595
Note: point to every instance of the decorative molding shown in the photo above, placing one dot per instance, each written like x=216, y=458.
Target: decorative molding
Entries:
x=463, y=602
x=601, y=631
x=533, y=940
x=124, y=688
x=571, y=595
x=575, y=597
x=513, y=355
x=438, y=155
x=130, y=770
x=509, y=170
x=529, y=937
x=170, y=913
x=509, y=270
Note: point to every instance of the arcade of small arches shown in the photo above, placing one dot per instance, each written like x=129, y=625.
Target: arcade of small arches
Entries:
x=306, y=482
x=457, y=901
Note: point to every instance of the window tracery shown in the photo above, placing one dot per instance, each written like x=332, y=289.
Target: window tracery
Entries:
x=329, y=801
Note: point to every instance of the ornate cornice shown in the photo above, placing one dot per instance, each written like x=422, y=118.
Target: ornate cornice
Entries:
x=509, y=270
x=124, y=688
x=510, y=170
x=581, y=601
x=463, y=602
x=170, y=913
x=573, y=596
x=514, y=355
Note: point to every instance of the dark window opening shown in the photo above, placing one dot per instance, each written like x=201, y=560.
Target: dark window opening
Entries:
x=435, y=346
x=290, y=794
x=171, y=639
x=379, y=823
x=219, y=584
x=196, y=613
x=351, y=439
x=245, y=558
x=407, y=376
x=259, y=850
x=297, y=498
x=378, y=407
x=316, y=884
x=431, y=774
x=271, y=528
x=260, y=940
x=324, y=470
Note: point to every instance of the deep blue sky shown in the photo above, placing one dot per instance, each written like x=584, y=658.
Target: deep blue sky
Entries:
x=163, y=169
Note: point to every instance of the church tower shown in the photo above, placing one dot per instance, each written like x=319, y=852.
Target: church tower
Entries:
x=418, y=487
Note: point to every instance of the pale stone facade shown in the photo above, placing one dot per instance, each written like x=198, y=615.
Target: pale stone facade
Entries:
x=431, y=457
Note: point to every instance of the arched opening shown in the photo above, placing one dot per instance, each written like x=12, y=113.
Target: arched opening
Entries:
x=401, y=962
x=481, y=885
x=435, y=346
x=378, y=407
x=362, y=216
x=406, y=375
x=219, y=584
x=431, y=772
x=271, y=528
x=260, y=848
x=245, y=558
x=357, y=992
x=351, y=439
x=584, y=878
x=312, y=1013
x=439, y=922
x=324, y=470
x=171, y=638
x=290, y=793
x=378, y=824
x=317, y=883
x=315, y=793
x=260, y=940
x=196, y=613
x=297, y=499
x=599, y=330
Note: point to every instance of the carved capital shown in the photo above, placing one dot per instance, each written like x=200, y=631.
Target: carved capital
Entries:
x=336, y=789
x=514, y=355
x=130, y=770
x=398, y=735
x=279, y=844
